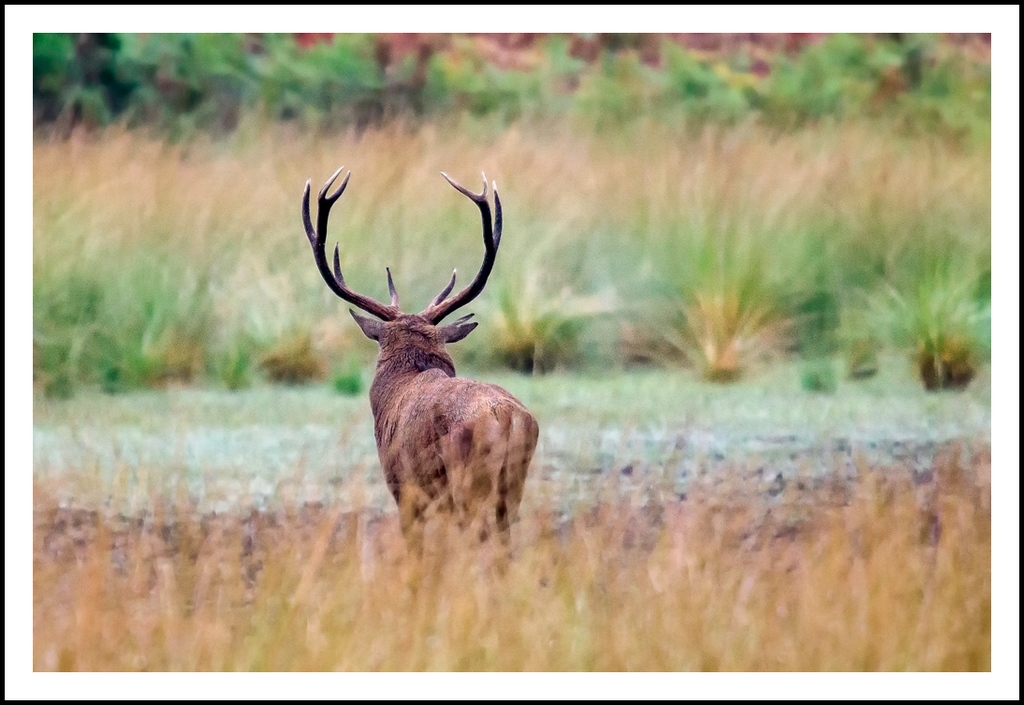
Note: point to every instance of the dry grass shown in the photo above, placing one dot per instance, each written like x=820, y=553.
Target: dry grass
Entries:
x=128, y=187
x=239, y=200
x=889, y=573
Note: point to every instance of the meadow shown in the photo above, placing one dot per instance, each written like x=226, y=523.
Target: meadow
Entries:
x=669, y=524
x=759, y=358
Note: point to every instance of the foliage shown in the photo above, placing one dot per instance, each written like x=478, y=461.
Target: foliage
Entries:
x=187, y=82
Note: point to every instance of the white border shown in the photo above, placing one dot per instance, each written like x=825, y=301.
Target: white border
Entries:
x=1002, y=21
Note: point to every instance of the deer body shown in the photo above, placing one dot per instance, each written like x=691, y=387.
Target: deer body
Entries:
x=457, y=444
x=446, y=444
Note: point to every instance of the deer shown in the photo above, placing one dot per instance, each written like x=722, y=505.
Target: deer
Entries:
x=448, y=446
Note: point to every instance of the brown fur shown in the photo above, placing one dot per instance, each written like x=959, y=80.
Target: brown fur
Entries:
x=445, y=443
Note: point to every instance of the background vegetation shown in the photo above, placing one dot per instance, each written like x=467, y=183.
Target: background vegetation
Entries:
x=186, y=83
x=662, y=205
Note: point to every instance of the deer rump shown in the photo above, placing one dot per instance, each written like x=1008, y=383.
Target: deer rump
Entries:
x=454, y=445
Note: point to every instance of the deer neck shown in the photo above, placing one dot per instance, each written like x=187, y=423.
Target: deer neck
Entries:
x=398, y=371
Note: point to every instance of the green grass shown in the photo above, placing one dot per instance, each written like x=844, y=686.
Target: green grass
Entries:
x=310, y=437
x=890, y=399
x=190, y=265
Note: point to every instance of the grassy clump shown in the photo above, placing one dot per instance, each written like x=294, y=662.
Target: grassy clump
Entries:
x=144, y=325
x=879, y=575
x=723, y=305
x=944, y=322
x=348, y=378
x=730, y=332
x=819, y=376
x=293, y=360
x=535, y=328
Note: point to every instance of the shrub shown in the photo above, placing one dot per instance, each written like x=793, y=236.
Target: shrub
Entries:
x=187, y=82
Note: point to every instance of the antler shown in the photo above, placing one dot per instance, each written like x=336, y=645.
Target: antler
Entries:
x=318, y=239
x=439, y=308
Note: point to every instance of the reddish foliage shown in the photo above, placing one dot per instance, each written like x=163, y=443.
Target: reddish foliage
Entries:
x=308, y=39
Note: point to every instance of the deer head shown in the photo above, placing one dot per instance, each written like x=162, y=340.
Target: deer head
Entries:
x=425, y=323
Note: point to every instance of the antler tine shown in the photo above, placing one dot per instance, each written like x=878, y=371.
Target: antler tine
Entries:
x=445, y=291
x=439, y=308
x=477, y=198
x=341, y=189
x=306, y=220
x=318, y=239
x=391, y=288
x=497, y=215
x=338, y=277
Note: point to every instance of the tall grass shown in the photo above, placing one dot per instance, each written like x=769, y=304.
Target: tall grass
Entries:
x=891, y=573
x=156, y=262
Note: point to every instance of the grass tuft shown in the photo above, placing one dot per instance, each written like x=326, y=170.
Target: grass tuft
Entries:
x=293, y=360
x=943, y=321
x=348, y=379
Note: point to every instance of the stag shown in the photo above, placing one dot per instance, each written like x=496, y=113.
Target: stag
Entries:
x=448, y=445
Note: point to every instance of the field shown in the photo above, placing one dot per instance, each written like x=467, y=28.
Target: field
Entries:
x=193, y=530
x=760, y=357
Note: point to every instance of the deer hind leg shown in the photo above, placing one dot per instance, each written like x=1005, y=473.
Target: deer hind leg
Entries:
x=522, y=441
x=411, y=507
x=422, y=495
x=473, y=459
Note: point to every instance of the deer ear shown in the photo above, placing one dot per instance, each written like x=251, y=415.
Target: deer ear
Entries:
x=371, y=328
x=454, y=332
